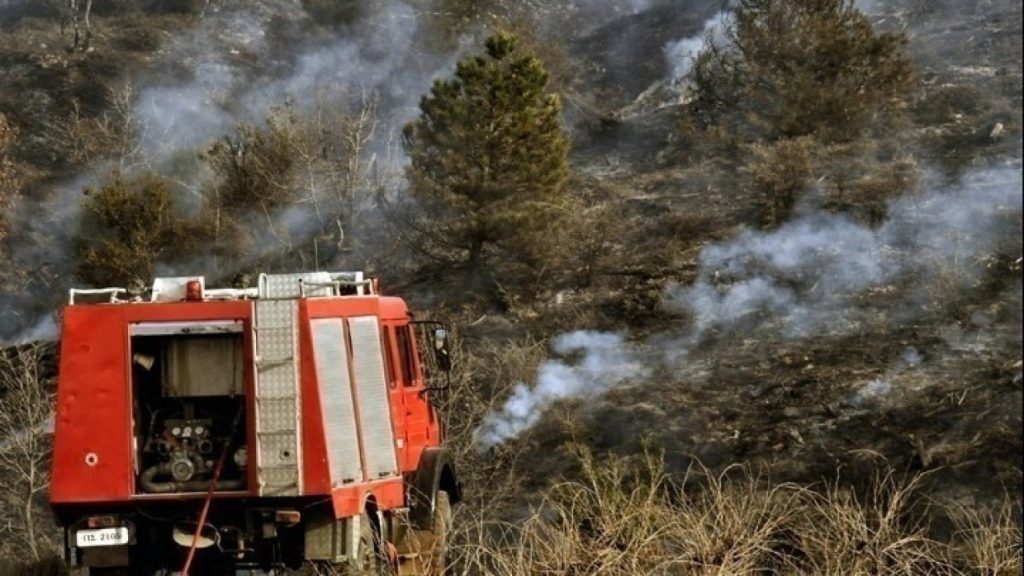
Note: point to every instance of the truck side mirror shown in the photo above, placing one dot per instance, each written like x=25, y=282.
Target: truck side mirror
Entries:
x=441, y=352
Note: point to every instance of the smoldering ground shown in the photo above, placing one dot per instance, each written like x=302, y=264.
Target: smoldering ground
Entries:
x=819, y=275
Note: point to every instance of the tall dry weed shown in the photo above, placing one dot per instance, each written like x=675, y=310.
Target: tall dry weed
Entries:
x=628, y=516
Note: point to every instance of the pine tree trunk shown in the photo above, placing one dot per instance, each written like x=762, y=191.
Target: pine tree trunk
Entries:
x=473, y=273
x=475, y=252
x=74, y=22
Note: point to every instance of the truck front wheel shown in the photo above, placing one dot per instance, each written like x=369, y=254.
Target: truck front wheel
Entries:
x=426, y=550
x=441, y=531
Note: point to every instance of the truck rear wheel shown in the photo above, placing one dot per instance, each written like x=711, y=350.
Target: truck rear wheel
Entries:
x=370, y=546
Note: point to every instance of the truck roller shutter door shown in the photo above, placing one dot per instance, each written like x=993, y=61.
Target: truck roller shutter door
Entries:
x=372, y=394
x=339, y=418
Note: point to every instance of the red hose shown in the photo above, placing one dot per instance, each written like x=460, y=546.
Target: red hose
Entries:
x=206, y=509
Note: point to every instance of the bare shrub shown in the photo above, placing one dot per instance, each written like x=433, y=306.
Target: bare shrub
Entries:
x=592, y=242
x=26, y=418
x=339, y=173
x=79, y=137
x=298, y=191
x=481, y=379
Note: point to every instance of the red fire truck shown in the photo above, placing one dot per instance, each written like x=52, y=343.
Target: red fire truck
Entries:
x=280, y=425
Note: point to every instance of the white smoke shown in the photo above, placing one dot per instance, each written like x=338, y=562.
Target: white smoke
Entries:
x=604, y=360
x=804, y=277
x=44, y=329
x=877, y=390
x=377, y=56
x=681, y=54
x=871, y=392
x=596, y=12
x=813, y=276
x=232, y=66
x=911, y=358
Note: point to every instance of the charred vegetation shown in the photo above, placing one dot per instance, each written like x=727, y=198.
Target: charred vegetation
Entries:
x=756, y=263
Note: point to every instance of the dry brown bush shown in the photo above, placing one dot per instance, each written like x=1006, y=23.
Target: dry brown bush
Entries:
x=629, y=517
x=297, y=191
x=128, y=226
x=780, y=171
x=256, y=165
x=256, y=175
x=863, y=177
x=880, y=533
x=959, y=123
x=799, y=68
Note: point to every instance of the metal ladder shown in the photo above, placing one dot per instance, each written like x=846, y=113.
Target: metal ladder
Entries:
x=278, y=403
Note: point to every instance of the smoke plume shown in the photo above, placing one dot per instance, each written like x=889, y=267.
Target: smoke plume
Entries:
x=245, y=62
x=680, y=54
x=808, y=277
x=602, y=360
x=814, y=276
x=234, y=65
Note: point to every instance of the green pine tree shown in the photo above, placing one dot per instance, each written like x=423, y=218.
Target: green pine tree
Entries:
x=794, y=68
x=489, y=161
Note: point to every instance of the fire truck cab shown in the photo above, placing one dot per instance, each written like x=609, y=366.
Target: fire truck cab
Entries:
x=258, y=427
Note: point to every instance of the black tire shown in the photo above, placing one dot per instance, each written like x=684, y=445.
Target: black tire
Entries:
x=428, y=549
x=374, y=559
x=441, y=530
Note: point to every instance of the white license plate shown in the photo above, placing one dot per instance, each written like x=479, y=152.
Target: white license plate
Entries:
x=101, y=537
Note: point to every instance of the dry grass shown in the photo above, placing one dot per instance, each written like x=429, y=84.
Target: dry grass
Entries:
x=880, y=533
x=988, y=541
x=628, y=517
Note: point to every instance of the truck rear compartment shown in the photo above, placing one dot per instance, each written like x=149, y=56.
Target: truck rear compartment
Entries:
x=188, y=409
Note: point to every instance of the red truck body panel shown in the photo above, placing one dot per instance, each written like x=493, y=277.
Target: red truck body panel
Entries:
x=94, y=455
x=94, y=397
